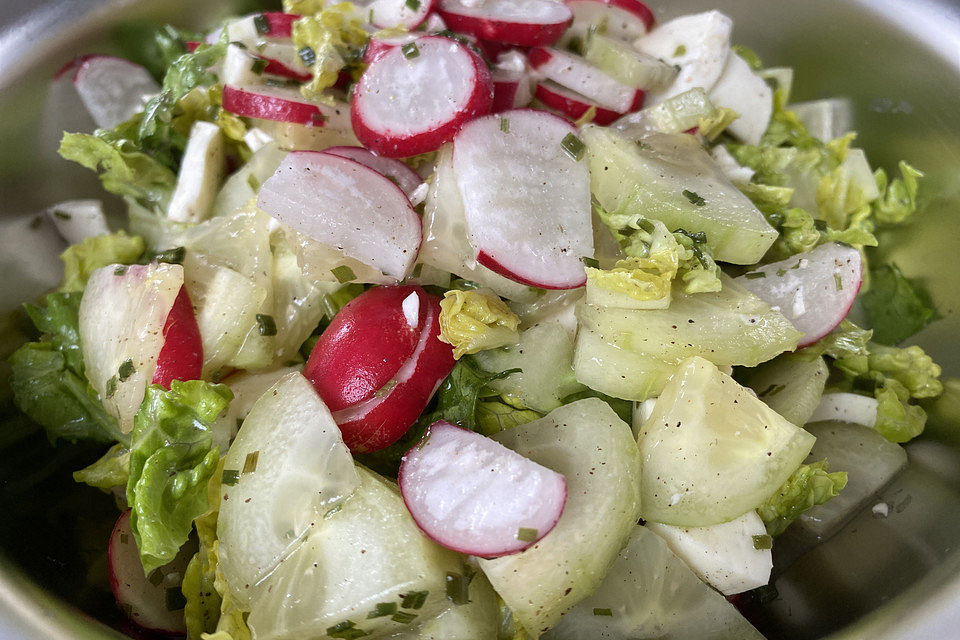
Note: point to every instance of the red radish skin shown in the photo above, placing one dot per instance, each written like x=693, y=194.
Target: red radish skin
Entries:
x=280, y=25
x=364, y=346
x=502, y=21
x=390, y=14
x=571, y=104
x=471, y=494
x=400, y=173
x=383, y=110
x=490, y=263
x=277, y=68
x=634, y=7
x=144, y=603
x=573, y=72
x=280, y=105
x=376, y=47
x=181, y=357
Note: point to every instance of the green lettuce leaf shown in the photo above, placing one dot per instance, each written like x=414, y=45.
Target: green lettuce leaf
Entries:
x=171, y=460
x=809, y=486
x=109, y=472
x=916, y=374
x=153, y=46
x=898, y=198
x=847, y=341
x=498, y=414
x=82, y=259
x=48, y=381
x=333, y=39
x=474, y=321
x=896, y=308
x=897, y=420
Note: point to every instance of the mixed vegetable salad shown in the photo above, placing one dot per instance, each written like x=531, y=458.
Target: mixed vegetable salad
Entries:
x=470, y=319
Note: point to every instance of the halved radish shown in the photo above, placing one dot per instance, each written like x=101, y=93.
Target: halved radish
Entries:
x=575, y=73
x=414, y=98
x=511, y=90
x=241, y=67
x=401, y=174
x=377, y=46
x=181, y=357
x=389, y=14
x=345, y=205
x=528, y=23
x=473, y=495
x=571, y=104
x=282, y=104
x=153, y=602
x=814, y=290
x=526, y=199
x=622, y=19
x=111, y=89
x=256, y=26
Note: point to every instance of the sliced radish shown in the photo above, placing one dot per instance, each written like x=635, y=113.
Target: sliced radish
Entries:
x=77, y=220
x=257, y=26
x=571, y=104
x=511, y=90
x=201, y=171
x=240, y=67
x=622, y=19
x=282, y=104
x=699, y=44
x=389, y=14
x=345, y=205
x=402, y=175
x=846, y=407
x=149, y=601
x=111, y=89
x=377, y=46
x=575, y=73
x=181, y=357
x=414, y=98
x=473, y=495
x=528, y=23
x=814, y=290
x=526, y=200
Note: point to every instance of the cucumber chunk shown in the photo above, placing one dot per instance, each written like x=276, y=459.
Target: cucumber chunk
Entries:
x=712, y=451
x=672, y=179
x=475, y=620
x=651, y=593
x=595, y=451
x=791, y=385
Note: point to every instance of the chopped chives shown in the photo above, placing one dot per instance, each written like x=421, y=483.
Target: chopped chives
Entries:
x=172, y=256
x=343, y=274
x=155, y=577
x=253, y=182
x=762, y=541
x=111, y=387
x=526, y=534
x=250, y=462
x=370, y=16
x=63, y=215
x=307, y=55
x=693, y=197
x=267, y=325
x=753, y=275
x=505, y=125
x=346, y=630
x=174, y=599
x=262, y=24
x=591, y=262
x=403, y=617
x=414, y=599
x=410, y=50
x=599, y=611
x=124, y=538
x=413, y=5
x=573, y=146
x=417, y=270
x=838, y=281
x=119, y=271
x=258, y=65
x=383, y=609
x=383, y=391
x=126, y=370
x=230, y=477
x=458, y=588
x=680, y=50
x=781, y=273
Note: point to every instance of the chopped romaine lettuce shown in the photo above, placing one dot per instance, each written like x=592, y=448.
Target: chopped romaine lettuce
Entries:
x=896, y=308
x=171, y=461
x=474, y=321
x=110, y=471
x=333, y=38
x=898, y=198
x=897, y=420
x=809, y=486
x=80, y=260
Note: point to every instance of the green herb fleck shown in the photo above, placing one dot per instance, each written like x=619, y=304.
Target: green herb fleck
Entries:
x=573, y=146
x=121, y=270
x=410, y=50
x=253, y=182
x=383, y=609
x=346, y=630
x=155, y=577
x=250, y=462
x=258, y=65
x=838, y=281
x=307, y=55
x=172, y=256
x=111, y=386
x=261, y=23
x=458, y=588
x=505, y=125
x=693, y=197
x=753, y=275
x=343, y=274
x=598, y=611
x=230, y=477
x=174, y=599
x=680, y=51
x=763, y=541
x=413, y=5
x=414, y=599
x=417, y=270
x=403, y=617
x=126, y=370
x=772, y=390
x=525, y=534
x=63, y=215
x=781, y=273
x=266, y=324
x=591, y=262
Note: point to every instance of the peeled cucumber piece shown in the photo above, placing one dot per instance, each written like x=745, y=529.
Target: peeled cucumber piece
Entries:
x=544, y=356
x=870, y=461
x=290, y=467
x=669, y=177
x=476, y=620
x=244, y=184
x=711, y=451
x=367, y=552
x=791, y=384
x=728, y=327
x=650, y=593
x=596, y=453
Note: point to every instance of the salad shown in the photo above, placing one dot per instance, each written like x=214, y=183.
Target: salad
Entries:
x=472, y=320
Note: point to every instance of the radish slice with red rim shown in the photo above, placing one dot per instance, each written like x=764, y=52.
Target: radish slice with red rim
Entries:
x=528, y=23
x=526, y=199
x=575, y=73
x=389, y=14
x=473, y=495
x=571, y=104
x=111, y=89
x=181, y=357
x=511, y=90
x=814, y=290
x=346, y=205
x=257, y=26
x=414, y=98
x=376, y=47
x=402, y=175
x=622, y=19
x=282, y=104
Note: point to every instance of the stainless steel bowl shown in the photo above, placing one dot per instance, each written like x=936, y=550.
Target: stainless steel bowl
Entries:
x=899, y=63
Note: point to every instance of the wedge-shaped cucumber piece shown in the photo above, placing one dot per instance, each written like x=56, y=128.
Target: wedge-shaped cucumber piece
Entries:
x=476, y=620
x=712, y=451
x=287, y=467
x=544, y=355
x=363, y=558
x=651, y=593
x=672, y=179
x=595, y=451
x=728, y=327
x=791, y=385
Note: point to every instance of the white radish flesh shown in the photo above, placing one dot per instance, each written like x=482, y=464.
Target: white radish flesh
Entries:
x=401, y=174
x=846, y=407
x=77, y=220
x=345, y=205
x=201, y=172
x=526, y=200
x=526, y=23
x=281, y=104
x=473, y=495
x=624, y=20
x=814, y=290
x=412, y=99
x=389, y=14
x=111, y=89
x=575, y=73
x=742, y=90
